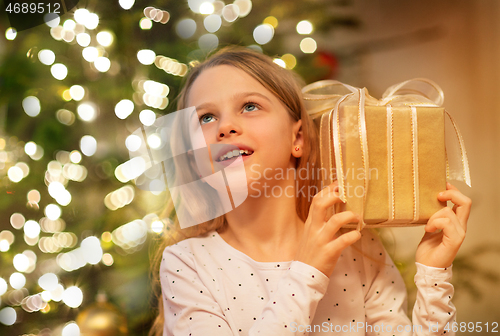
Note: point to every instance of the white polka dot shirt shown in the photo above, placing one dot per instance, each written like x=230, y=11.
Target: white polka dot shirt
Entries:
x=210, y=288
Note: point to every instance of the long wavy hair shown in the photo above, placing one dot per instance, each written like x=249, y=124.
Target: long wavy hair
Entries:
x=286, y=86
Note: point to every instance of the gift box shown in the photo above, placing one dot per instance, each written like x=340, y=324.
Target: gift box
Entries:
x=392, y=156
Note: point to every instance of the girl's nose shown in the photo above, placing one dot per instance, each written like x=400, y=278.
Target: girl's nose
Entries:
x=221, y=135
x=226, y=128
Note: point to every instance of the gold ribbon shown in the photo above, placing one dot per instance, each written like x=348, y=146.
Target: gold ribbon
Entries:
x=323, y=99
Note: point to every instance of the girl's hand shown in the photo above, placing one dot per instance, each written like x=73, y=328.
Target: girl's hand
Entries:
x=319, y=247
x=445, y=230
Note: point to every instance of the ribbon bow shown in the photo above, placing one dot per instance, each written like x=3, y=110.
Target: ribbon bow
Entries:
x=323, y=100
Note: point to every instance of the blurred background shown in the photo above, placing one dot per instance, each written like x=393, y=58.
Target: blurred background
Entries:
x=76, y=236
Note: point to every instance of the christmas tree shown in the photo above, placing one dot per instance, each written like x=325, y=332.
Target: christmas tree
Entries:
x=75, y=232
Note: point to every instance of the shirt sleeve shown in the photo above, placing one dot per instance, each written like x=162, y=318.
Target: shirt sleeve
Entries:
x=386, y=301
x=191, y=309
x=433, y=307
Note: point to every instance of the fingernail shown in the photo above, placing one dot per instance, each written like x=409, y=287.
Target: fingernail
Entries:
x=441, y=193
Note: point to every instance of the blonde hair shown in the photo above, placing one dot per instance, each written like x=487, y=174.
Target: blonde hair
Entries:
x=286, y=86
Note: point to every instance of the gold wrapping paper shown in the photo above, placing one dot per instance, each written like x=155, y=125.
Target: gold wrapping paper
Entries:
x=392, y=156
x=415, y=171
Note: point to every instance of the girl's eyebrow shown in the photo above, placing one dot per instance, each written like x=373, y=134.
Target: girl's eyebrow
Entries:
x=235, y=97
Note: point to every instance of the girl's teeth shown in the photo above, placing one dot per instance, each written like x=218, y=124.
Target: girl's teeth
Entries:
x=234, y=153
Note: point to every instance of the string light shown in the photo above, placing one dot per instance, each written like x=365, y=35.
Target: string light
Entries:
x=271, y=20
x=230, y=12
x=8, y=316
x=88, y=145
x=126, y=4
x=83, y=39
x=208, y=42
x=104, y=38
x=46, y=56
x=244, y=6
x=263, y=33
x=304, y=27
x=185, y=28
x=71, y=329
x=59, y=71
x=147, y=117
x=10, y=33
x=119, y=198
x=206, y=8
x=73, y=297
x=145, y=23
x=212, y=23
x=146, y=56
x=157, y=15
x=31, y=106
x=308, y=45
x=124, y=108
x=102, y=64
x=87, y=112
x=65, y=117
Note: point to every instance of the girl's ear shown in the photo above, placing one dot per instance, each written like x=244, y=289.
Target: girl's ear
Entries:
x=298, y=139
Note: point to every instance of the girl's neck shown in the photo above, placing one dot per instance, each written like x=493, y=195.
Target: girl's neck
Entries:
x=266, y=228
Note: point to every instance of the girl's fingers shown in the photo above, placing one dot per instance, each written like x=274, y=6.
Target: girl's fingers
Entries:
x=323, y=200
x=345, y=240
x=462, y=203
x=451, y=230
x=340, y=219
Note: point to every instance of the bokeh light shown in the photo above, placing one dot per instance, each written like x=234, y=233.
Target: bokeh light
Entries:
x=147, y=117
x=107, y=259
x=52, y=211
x=31, y=229
x=126, y=4
x=10, y=33
x=20, y=262
x=145, y=23
x=17, y=280
x=185, y=28
x=263, y=33
x=105, y=38
x=90, y=54
x=17, y=221
x=77, y=92
x=308, y=45
x=212, y=23
x=73, y=297
x=124, y=108
x=88, y=145
x=75, y=156
x=8, y=316
x=59, y=71
x=133, y=142
x=31, y=106
x=86, y=112
x=102, y=64
x=48, y=281
x=304, y=27
x=46, y=56
x=83, y=39
x=208, y=42
x=146, y=56
x=271, y=20
x=3, y=286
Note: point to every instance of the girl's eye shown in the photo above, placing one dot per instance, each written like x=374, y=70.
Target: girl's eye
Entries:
x=206, y=118
x=251, y=107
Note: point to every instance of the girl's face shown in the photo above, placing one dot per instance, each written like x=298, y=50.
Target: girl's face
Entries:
x=235, y=109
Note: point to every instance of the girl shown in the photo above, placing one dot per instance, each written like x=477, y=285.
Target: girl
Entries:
x=275, y=265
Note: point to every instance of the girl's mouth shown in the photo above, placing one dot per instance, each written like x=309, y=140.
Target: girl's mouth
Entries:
x=234, y=154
